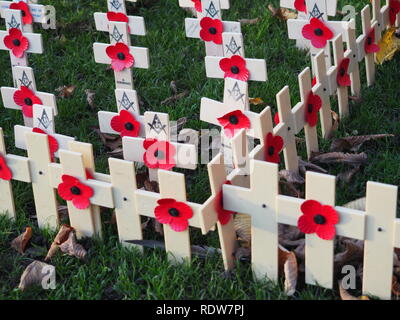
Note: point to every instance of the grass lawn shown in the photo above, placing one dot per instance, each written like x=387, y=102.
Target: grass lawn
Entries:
x=113, y=272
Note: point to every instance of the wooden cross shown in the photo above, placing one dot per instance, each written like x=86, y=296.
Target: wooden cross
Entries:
x=19, y=167
x=224, y=4
x=82, y=220
x=157, y=127
x=368, y=26
x=295, y=27
x=24, y=77
x=351, y=44
x=13, y=20
x=126, y=99
x=37, y=11
x=119, y=35
x=177, y=244
x=233, y=46
x=381, y=15
x=331, y=10
x=210, y=9
x=136, y=25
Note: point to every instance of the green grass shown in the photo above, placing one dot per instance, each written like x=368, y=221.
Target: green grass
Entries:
x=115, y=272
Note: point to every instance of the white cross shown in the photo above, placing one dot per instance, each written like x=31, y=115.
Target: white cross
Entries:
x=37, y=11
x=24, y=77
x=19, y=167
x=331, y=6
x=119, y=33
x=82, y=220
x=295, y=27
x=136, y=25
x=381, y=15
x=367, y=26
x=211, y=9
x=257, y=67
x=224, y=4
x=13, y=19
x=157, y=127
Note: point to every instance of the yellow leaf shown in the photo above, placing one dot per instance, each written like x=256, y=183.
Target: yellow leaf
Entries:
x=389, y=45
x=256, y=101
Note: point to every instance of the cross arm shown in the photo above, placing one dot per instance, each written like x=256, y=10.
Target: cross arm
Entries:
x=105, y=118
x=331, y=6
x=19, y=167
x=136, y=24
x=7, y=94
x=38, y=11
x=192, y=27
x=257, y=68
x=190, y=4
x=295, y=27
x=35, y=42
x=141, y=55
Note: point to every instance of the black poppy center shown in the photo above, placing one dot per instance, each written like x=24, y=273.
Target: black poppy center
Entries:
x=235, y=70
x=129, y=126
x=271, y=150
x=174, y=212
x=159, y=154
x=23, y=13
x=310, y=108
x=369, y=40
x=120, y=56
x=233, y=120
x=28, y=101
x=17, y=42
x=342, y=72
x=212, y=30
x=318, y=32
x=319, y=219
x=75, y=190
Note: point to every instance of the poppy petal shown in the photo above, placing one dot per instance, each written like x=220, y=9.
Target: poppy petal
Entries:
x=311, y=207
x=306, y=224
x=326, y=232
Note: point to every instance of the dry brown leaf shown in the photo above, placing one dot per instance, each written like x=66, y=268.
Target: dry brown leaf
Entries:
x=335, y=125
x=354, y=143
x=34, y=274
x=288, y=265
x=65, y=91
x=256, y=101
x=173, y=86
x=289, y=189
x=348, y=175
x=353, y=254
x=110, y=141
x=62, y=211
x=90, y=95
x=395, y=287
x=116, y=153
x=73, y=248
x=175, y=97
x=345, y=295
x=61, y=237
x=282, y=13
x=243, y=254
x=242, y=225
x=291, y=176
x=250, y=21
x=20, y=242
x=340, y=157
x=305, y=166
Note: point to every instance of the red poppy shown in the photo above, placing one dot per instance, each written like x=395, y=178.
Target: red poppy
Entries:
x=370, y=46
x=16, y=42
x=120, y=56
x=126, y=124
x=317, y=32
x=277, y=120
x=5, y=172
x=300, y=5
x=53, y=143
x=211, y=30
x=224, y=216
x=197, y=5
x=314, y=104
x=314, y=81
x=25, y=98
x=174, y=213
x=159, y=154
x=274, y=145
x=394, y=9
x=235, y=67
x=119, y=17
x=343, y=77
x=25, y=12
x=319, y=219
x=232, y=121
x=72, y=189
x=88, y=174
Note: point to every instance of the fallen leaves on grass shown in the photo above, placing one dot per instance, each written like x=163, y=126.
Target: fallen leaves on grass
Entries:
x=65, y=91
x=34, y=274
x=72, y=247
x=250, y=21
x=305, y=166
x=288, y=264
x=90, y=95
x=291, y=176
x=282, y=13
x=340, y=157
x=354, y=143
x=20, y=242
x=176, y=96
x=389, y=45
x=242, y=226
x=61, y=237
x=111, y=142
x=256, y=101
x=347, y=175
